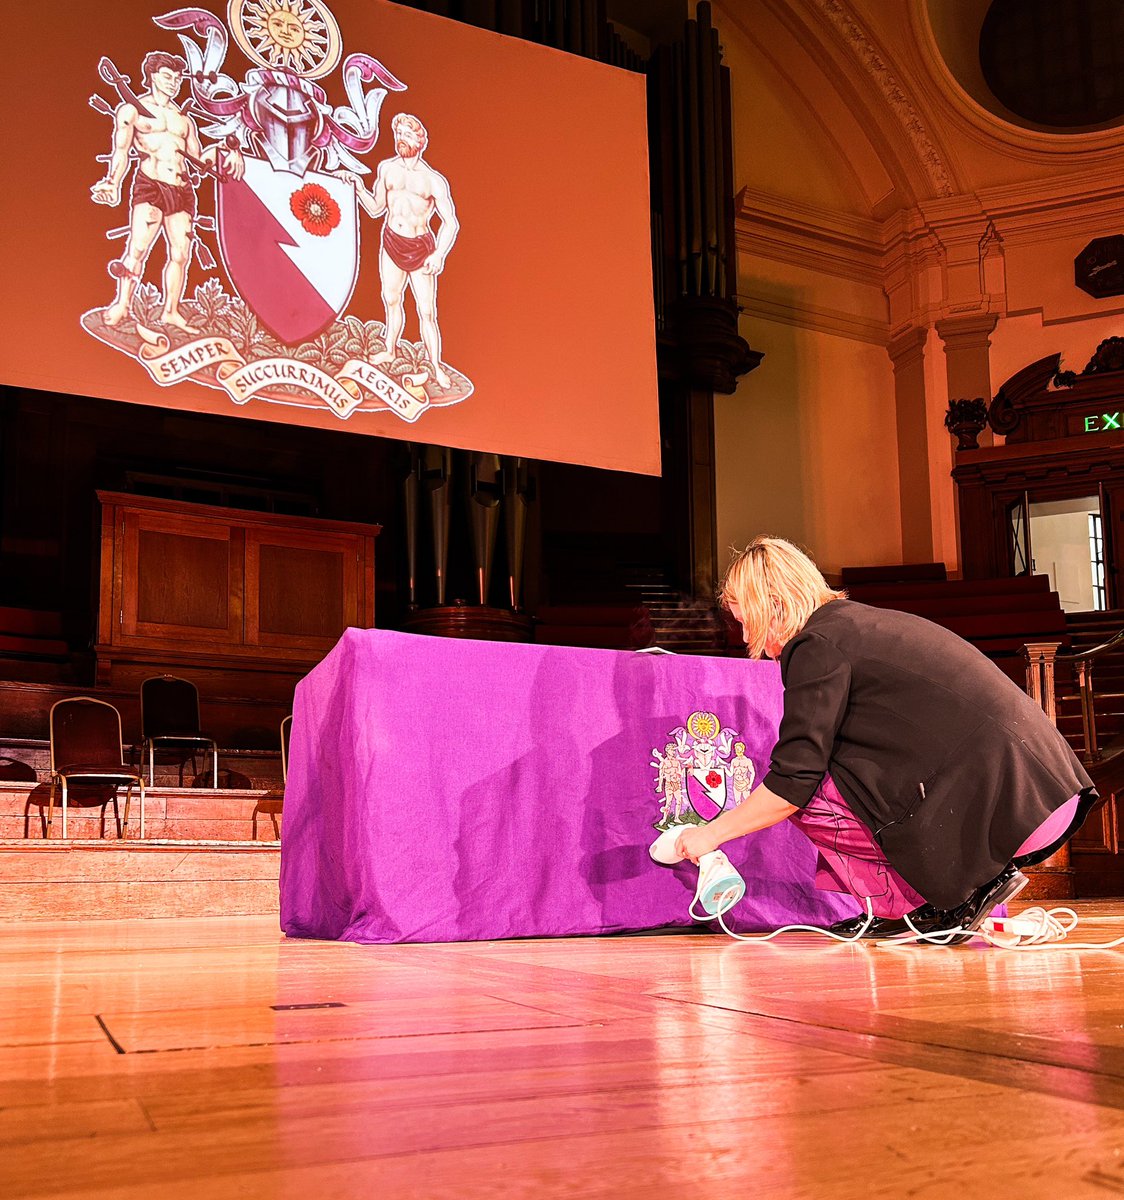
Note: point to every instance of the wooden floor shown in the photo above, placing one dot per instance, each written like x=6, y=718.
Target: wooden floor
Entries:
x=211, y=1058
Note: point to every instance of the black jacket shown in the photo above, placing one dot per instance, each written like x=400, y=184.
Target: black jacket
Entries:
x=937, y=752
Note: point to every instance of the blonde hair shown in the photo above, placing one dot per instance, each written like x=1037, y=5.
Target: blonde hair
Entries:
x=777, y=587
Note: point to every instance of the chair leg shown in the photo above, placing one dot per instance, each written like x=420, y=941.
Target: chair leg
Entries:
x=51, y=807
x=142, y=807
x=116, y=817
x=125, y=823
x=215, y=757
x=151, y=765
x=64, y=807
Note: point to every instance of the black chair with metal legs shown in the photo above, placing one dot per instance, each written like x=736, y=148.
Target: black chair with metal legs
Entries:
x=86, y=747
x=170, y=723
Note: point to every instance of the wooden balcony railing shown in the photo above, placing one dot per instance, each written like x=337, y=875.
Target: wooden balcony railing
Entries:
x=1041, y=660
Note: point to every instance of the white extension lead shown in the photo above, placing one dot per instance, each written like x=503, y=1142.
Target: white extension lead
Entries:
x=1032, y=929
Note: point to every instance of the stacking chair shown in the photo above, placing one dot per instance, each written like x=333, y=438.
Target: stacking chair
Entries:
x=273, y=804
x=286, y=734
x=170, y=721
x=86, y=747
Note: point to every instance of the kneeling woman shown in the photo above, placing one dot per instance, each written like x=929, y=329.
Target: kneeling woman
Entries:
x=924, y=776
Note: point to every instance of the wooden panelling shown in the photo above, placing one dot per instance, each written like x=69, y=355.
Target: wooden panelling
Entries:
x=187, y=587
x=302, y=590
x=185, y=582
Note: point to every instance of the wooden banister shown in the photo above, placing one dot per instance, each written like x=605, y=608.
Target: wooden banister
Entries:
x=1040, y=657
x=1041, y=660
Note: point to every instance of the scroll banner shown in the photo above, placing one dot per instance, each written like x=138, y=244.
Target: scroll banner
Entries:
x=220, y=364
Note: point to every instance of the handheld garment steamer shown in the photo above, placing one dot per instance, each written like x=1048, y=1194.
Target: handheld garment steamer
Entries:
x=720, y=886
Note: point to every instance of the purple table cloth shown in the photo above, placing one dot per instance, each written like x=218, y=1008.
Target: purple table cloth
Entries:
x=441, y=790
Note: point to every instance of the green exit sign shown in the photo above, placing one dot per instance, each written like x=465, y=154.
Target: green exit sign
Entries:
x=1100, y=422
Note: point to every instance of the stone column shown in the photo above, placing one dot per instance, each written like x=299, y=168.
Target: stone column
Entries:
x=967, y=343
x=907, y=353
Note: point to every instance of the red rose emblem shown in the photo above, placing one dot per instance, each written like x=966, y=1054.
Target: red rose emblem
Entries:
x=713, y=779
x=314, y=207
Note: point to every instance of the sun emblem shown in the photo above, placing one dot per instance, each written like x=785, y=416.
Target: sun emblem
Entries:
x=703, y=725
x=299, y=36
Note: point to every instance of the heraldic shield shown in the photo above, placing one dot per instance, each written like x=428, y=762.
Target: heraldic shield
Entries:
x=290, y=245
x=706, y=790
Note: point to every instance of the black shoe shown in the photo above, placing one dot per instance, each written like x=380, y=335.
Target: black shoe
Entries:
x=879, y=927
x=972, y=913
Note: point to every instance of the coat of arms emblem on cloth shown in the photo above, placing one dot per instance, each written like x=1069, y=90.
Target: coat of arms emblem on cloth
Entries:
x=701, y=770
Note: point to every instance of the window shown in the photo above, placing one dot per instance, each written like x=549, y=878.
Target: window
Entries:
x=1057, y=63
x=1096, y=561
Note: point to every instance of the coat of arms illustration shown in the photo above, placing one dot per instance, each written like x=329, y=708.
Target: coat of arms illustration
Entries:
x=701, y=770
x=286, y=171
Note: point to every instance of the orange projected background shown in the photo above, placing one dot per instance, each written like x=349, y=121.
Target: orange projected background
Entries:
x=520, y=232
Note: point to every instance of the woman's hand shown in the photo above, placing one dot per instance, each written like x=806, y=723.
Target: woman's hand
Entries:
x=693, y=843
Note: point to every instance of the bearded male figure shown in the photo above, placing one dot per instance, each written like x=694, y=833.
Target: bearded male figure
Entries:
x=409, y=192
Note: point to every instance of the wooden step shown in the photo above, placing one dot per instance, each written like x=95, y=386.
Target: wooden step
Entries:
x=171, y=814
x=89, y=880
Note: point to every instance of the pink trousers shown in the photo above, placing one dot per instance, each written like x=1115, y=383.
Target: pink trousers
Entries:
x=851, y=861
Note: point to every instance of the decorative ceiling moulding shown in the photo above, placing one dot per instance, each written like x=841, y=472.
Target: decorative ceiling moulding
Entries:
x=944, y=91
x=814, y=317
x=874, y=62
x=1065, y=206
x=873, y=140
x=803, y=235
x=790, y=51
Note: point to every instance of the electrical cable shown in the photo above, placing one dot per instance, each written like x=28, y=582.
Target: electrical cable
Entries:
x=765, y=937
x=1033, y=929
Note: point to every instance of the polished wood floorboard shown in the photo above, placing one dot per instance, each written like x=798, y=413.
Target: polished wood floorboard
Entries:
x=148, y=1058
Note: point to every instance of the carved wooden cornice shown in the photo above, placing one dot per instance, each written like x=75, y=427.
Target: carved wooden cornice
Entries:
x=712, y=353
x=1042, y=401
x=1006, y=411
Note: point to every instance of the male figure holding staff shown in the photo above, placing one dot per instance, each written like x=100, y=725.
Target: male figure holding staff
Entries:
x=162, y=196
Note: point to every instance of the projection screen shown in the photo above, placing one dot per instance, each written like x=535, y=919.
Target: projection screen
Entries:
x=348, y=215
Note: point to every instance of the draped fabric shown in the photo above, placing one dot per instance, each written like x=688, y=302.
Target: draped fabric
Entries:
x=447, y=790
